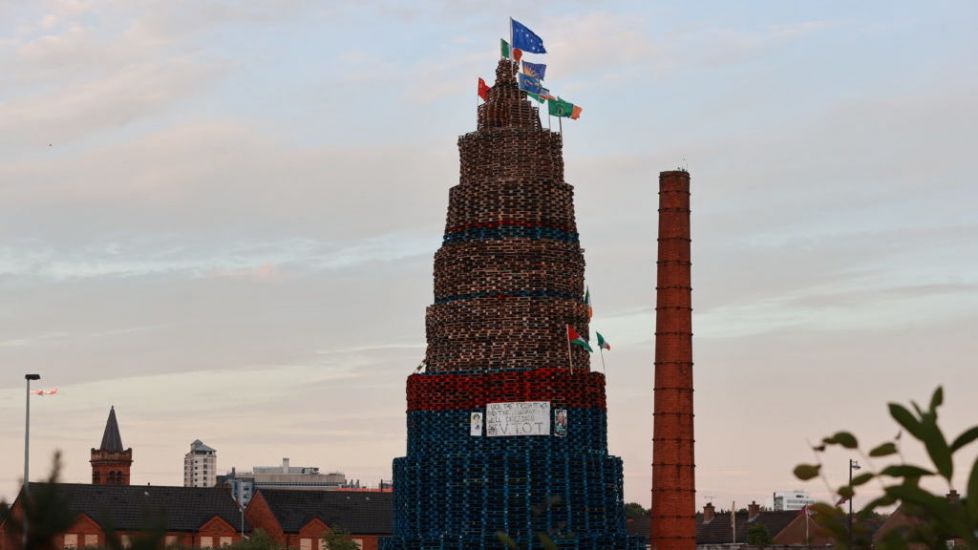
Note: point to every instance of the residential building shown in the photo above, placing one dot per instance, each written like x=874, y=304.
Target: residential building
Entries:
x=899, y=523
x=190, y=517
x=714, y=527
x=299, y=519
x=200, y=466
x=111, y=463
x=243, y=485
x=790, y=500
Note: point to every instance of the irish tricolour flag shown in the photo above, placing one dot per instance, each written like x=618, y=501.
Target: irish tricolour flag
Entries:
x=577, y=340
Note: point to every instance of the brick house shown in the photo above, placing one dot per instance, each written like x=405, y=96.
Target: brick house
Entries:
x=714, y=527
x=900, y=521
x=299, y=519
x=192, y=517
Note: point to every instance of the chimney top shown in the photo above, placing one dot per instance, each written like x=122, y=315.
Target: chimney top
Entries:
x=953, y=496
x=753, y=510
x=709, y=512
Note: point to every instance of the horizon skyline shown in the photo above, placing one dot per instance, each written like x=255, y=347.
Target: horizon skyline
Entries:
x=221, y=221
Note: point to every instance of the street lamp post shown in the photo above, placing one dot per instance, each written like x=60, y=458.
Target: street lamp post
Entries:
x=27, y=452
x=853, y=465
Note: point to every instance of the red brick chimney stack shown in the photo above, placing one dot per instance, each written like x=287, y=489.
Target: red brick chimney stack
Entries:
x=753, y=510
x=709, y=512
x=673, y=525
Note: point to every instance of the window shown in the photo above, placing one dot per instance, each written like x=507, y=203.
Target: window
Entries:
x=225, y=541
x=171, y=540
x=359, y=543
x=71, y=541
x=305, y=544
x=125, y=541
x=91, y=541
x=207, y=542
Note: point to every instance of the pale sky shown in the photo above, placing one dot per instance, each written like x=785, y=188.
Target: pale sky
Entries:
x=221, y=220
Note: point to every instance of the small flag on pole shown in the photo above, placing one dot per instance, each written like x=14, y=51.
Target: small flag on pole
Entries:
x=587, y=302
x=602, y=343
x=565, y=109
x=542, y=97
x=577, y=340
x=536, y=70
x=483, y=90
x=52, y=391
x=529, y=84
x=504, y=48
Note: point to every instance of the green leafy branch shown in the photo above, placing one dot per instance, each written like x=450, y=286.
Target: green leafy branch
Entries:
x=936, y=519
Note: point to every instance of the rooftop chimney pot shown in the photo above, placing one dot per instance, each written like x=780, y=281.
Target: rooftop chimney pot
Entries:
x=753, y=510
x=709, y=512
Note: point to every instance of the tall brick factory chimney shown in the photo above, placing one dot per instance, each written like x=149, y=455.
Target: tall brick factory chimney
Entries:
x=673, y=525
x=507, y=425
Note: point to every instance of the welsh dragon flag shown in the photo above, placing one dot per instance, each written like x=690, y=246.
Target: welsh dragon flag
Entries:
x=577, y=340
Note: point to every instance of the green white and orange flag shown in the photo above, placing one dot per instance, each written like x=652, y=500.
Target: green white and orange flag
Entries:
x=559, y=108
x=602, y=343
x=504, y=48
x=577, y=340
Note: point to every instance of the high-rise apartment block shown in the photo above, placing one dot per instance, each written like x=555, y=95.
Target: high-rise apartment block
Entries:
x=200, y=466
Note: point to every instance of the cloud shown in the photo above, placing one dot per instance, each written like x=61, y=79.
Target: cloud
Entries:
x=234, y=235
x=31, y=263
x=600, y=42
x=110, y=103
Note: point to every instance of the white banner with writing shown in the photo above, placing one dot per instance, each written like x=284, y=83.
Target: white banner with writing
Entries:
x=521, y=418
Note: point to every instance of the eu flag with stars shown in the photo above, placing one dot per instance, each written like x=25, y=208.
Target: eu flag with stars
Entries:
x=525, y=39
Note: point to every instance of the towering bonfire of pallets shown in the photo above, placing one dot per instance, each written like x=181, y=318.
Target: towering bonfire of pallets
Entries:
x=509, y=278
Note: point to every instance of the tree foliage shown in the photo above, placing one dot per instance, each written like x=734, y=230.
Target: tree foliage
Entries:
x=634, y=510
x=46, y=511
x=259, y=540
x=757, y=535
x=338, y=538
x=934, y=519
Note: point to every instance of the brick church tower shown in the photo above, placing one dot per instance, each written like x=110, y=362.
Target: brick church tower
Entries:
x=507, y=426
x=110, y=463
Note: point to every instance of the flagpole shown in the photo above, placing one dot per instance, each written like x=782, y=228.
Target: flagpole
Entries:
x=511, y=46
x=601, y=351
x=561, y=123
x=808, y=518
x=570, y=361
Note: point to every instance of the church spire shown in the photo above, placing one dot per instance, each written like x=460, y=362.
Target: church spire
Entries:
x=111, y=462
x=111, y=440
